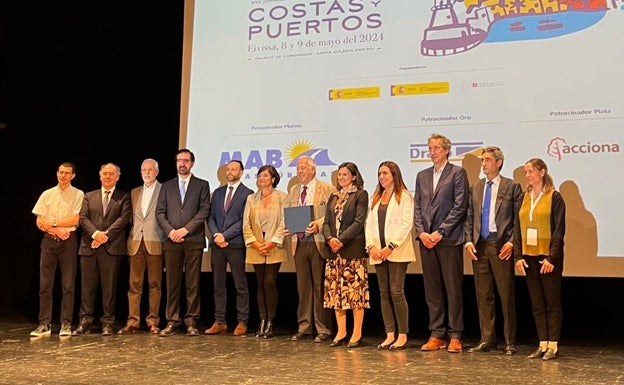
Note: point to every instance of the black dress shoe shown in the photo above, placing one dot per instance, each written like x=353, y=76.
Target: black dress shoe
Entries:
x=192, y=331
x=550, y=354
x=322, y=337
x=82, y=329
x=168, y=330
x=107, y=330
x=300, y=336
x=354, y=344
x=538, y=353
x=510, y=350
x=480, y=348
x=339, y=342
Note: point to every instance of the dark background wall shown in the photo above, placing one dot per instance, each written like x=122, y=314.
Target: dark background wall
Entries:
x=93, y=82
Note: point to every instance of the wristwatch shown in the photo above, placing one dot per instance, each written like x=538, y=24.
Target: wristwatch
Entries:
x=54, y=223
x=441, y=232
x=391, y=246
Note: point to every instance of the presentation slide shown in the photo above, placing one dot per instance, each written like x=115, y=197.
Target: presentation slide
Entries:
x=267, y=81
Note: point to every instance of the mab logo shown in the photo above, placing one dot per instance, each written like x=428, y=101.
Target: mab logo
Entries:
x=275, y=157
x=419, y=153
x=558, y=147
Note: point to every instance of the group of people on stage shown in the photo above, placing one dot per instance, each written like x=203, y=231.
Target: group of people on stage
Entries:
x=494, y=223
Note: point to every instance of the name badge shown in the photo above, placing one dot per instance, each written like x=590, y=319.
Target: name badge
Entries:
x=531, y=236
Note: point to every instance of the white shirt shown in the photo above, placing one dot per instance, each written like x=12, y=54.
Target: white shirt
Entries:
x=146, y=197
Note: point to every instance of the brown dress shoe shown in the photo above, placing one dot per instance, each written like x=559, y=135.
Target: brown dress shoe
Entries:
x=433, y=344
x=128, y=329
x=241, y=329
x=216, y=328
x=153, y=329
x=455, y=346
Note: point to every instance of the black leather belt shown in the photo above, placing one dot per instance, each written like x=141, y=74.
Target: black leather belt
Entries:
x=55, y=238
x=493, y=237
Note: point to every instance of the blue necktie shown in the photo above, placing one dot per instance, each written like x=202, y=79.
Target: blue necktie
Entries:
x=485, y=214
x=182, y=190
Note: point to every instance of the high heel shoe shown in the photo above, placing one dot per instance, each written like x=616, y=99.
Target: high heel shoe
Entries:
x=268, y=329
x=339, y=342
x=383, y=346
x=398, y=347
x=354, y=344
x=260, y=332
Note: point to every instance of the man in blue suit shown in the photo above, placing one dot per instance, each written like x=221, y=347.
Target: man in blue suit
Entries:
x=228, y=247
x=182, y=209
x=440, y=206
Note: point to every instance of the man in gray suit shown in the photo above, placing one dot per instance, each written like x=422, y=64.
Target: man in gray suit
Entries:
x=182, y=209
x=489, y=236
x=440, y=205
x=104, y=216
x=310, y=253
x=145, y=251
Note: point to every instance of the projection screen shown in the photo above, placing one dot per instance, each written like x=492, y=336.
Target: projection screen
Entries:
x=266, y=81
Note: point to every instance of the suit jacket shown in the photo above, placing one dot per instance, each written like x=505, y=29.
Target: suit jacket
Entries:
x=145, y=227
x=252, y=230
x=321, y=195
x=351, y=232
x=446, y=207
x=229, y=223
x=172, y=213
x=508, y=199
x=397, y=228
x=115, y=221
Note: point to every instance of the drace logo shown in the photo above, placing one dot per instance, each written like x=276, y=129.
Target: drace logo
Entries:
x=558, y=147
x=420, y=152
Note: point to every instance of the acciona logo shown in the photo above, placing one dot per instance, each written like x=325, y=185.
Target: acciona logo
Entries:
x=558, y=147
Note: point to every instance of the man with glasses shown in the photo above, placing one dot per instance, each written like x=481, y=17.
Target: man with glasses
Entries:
x=182, y=210
x=58, y=214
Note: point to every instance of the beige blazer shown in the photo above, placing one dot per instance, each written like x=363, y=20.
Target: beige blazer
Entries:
x=321, y=196
x=252, y=230
x=145, y=226
x=398, y=228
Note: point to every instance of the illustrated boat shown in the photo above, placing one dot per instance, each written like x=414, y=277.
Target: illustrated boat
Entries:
x=446, y=35
x=516, y=26
x=548, y=24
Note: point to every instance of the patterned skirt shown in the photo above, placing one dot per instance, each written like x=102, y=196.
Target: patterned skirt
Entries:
x=346, y=284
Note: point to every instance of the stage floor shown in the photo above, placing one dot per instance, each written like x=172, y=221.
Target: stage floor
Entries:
x=225, y=359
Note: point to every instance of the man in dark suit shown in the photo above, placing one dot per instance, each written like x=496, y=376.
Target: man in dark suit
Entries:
x=145, y=251
x=227, y=247
x=440, y=205
x=104, y=216
x=489, y=244
x=310, y=253
x=182, y=209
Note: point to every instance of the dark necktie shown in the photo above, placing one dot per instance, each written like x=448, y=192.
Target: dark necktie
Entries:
x=485, y=214
x=105, y=201
x=302, y=203
x=228, y=200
